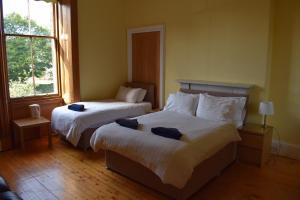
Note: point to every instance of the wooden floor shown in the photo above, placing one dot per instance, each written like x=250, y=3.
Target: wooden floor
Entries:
x=68, y=173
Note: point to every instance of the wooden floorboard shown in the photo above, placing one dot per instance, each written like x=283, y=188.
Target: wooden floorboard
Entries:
x=64, y=172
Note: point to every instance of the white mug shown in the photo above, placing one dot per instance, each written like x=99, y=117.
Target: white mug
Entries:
x=35, y=111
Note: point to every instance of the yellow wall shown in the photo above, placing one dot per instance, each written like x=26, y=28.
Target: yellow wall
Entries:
x=243, y=41
x=285, y=71
x=102, y=47
x=219, y=40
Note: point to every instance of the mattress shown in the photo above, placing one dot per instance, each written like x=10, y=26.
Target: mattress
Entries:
x=72, y=124
x=163, y=156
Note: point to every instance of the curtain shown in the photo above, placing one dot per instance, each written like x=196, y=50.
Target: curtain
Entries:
x=68, y=46
x=5, y=136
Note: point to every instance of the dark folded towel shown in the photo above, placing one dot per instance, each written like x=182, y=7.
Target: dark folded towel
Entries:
x=3, y=185
x=129, y=123
x=8, y=195
x=76, y=107
x=172, y=133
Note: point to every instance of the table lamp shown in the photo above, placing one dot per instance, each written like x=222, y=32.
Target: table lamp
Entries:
x=266, y=108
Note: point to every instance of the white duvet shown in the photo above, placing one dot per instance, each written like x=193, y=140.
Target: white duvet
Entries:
x=72, y=124
x=171, y=160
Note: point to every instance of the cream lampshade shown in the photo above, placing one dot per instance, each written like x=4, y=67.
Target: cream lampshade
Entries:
x=266, y=108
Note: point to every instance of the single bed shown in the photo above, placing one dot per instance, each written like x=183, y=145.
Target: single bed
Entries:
x=135, y=154
x=77, y=127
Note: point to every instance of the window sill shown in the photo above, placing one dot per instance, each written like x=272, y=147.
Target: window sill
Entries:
x=54, y=97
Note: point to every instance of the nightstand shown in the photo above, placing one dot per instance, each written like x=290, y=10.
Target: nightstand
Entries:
x=255, y=147
x=22, y=124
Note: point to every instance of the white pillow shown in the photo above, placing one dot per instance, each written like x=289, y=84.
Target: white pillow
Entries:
x=142, y=95
x=122, y=92
x=181, y=103
x=214, y=109
x=132, y=95
x=222, y=108
x=170, y=102
x=196, y=99
x=239, y=110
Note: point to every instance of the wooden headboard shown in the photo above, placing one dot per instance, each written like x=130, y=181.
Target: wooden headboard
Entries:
x=217, y=89
x=150, y=97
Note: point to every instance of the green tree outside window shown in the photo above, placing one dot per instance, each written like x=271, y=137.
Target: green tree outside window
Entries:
x=27, y=56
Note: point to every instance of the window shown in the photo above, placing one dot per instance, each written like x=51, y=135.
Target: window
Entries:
x=28, y=59
x=31, y=47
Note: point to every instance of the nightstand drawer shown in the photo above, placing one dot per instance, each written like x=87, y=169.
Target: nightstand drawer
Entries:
x=249, y=155
x=251, y=140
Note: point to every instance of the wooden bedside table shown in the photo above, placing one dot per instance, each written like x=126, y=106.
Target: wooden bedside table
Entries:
x=21, y=124
x=256, y=144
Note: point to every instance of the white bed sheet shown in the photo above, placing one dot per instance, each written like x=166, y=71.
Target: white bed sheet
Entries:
x=171, y=160
x=72, y=124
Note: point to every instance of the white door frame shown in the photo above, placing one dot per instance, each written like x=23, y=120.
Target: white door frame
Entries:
x=161, y=29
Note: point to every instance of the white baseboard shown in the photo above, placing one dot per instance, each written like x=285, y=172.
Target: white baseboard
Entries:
x=286, y=149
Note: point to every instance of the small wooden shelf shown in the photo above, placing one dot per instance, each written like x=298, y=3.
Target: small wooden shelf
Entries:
x=22, y=124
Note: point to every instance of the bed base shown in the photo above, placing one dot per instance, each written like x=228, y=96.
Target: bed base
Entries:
x=202, y=174
x=84, y=142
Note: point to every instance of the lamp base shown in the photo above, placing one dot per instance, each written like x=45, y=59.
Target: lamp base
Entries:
x=264, y=125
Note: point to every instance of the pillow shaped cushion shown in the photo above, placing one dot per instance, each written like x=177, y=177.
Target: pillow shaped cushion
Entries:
x=122, y=92
x=212, y=108
x=170, y=102
x=132, y=95
x=222, y=108
x=182, y=103
x=239, y=110
x=142, y=95
x=196, y=99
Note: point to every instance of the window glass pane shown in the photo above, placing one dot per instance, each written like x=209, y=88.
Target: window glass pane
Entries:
x=31, y=60
x=15, y=14
x=31, y=66
x=44, y=66
x=19, y=66
x=28, y=17
x=41, y=15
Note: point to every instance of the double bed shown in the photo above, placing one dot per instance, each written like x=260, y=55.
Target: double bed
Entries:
x=77, y=127
x=176, y=168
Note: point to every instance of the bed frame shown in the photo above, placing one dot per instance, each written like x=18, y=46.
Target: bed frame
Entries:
x=84, y=142
x=203, y=173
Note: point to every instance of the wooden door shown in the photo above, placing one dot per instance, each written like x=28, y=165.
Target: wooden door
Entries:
x=146, y=60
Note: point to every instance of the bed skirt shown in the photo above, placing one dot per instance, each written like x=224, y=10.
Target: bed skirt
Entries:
x=84, y=142
x=202, y=174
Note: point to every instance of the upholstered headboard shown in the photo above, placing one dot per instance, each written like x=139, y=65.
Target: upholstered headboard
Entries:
x=217, y=89
x=147, y=86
